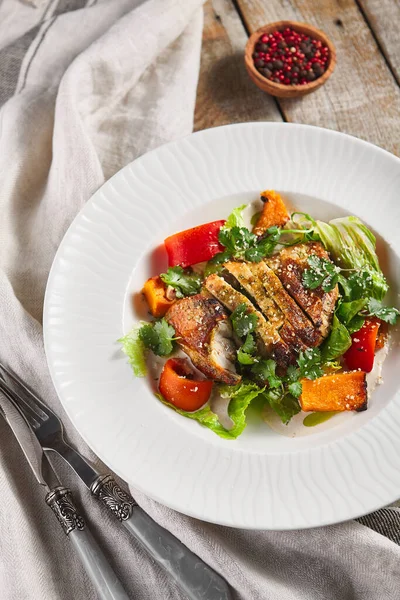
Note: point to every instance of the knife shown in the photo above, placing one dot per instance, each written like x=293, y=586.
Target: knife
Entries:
x=61, y=502
x=194, y=576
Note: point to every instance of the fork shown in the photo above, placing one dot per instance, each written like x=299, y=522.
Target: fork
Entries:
x=196, y=578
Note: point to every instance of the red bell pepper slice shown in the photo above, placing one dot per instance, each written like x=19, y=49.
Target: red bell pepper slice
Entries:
x=361, y=353
x=194, y=245
x=178, y=386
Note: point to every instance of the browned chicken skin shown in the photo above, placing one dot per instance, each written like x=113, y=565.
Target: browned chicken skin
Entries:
x=204, y=333
x=290, y=317
x=289, y=265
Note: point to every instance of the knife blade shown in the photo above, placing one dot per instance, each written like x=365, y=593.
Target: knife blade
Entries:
x=26, y=439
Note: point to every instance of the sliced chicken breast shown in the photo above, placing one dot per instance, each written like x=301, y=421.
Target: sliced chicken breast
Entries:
x=205, y=334
x=271, y=343
x=250, y=281
x=289, y=265
x=301, y=324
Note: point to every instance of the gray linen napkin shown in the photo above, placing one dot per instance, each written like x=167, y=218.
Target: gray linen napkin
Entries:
x=86, y=86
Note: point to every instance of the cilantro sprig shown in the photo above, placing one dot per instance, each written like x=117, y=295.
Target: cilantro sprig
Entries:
x=321, y=272
x=245, y=354
x=241, y=244
x=158, y=337
x=243, y=321
x=389, y=314
x=184, y=282
x=310, y=362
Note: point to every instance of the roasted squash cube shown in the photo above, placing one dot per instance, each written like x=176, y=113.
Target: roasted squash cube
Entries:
x=154, y=291
x=336, y=392
x=274, y=212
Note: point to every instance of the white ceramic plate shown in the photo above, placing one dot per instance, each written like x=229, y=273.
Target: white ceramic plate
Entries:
x=262, y=480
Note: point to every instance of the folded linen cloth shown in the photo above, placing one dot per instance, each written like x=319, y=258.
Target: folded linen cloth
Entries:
x=86, y=86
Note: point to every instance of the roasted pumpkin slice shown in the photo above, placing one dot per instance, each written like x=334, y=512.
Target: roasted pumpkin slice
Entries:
x=338, y=392
x=274, y=212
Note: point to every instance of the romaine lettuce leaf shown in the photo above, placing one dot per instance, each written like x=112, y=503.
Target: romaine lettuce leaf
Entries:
x=241, y=396
x=352, y=246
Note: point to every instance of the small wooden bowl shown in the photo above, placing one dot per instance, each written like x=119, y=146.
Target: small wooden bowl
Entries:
x=279, y=89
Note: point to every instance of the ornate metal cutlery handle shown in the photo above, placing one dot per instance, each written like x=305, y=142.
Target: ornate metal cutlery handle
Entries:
x=119, y=501
x=196, y=578
x=97, y=567
x=62, y=504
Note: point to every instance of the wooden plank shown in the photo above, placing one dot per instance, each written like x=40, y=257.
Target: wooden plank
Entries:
x=361, y=98
x=225, y=93
x=383, y=17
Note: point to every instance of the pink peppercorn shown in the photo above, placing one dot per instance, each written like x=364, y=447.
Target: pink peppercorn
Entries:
x=276, y=54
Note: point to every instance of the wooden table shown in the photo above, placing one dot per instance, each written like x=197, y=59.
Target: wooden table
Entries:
x=361, y=98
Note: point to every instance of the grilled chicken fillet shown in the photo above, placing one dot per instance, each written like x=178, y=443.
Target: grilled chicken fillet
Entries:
x=266, y=289
x=289, y=265
x=270, y=342
x=204, y=333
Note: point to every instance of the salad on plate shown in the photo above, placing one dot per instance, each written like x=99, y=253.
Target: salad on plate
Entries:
x=267, y=308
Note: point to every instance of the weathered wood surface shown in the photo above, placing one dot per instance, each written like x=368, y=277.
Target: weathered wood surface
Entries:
x=361, y=98
x=383, y=17
x=225, y=93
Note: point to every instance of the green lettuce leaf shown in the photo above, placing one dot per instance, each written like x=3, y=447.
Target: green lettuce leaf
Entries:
x=338, y=342
x=352, y=246
x=241, y=396
x=347, y=313
x=135, y=350
x=236, y=219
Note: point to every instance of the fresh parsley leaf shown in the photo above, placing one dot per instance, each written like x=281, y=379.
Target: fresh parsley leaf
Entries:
x=265, y=246
x=185, y=283
x=338, y=342
x=357, y=286
x=215, y=263
x=292, y=373
x=240, y=243
x=243, y=322
x=285, y=405
x=237, y=240
x=321, y=272
x=158, y=337
x=245, y=352
x=135, y=350
x=235, y=219
x=385, y=313
x=295, y=389
x=264, y=371
x=249, y=345
x=309, y=363
x=244, y=358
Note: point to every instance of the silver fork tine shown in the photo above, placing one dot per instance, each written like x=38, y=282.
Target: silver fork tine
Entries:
x=30, y=414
